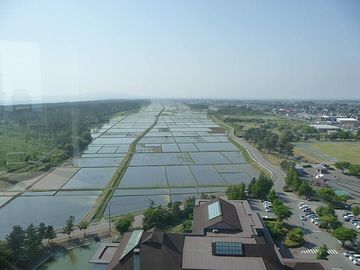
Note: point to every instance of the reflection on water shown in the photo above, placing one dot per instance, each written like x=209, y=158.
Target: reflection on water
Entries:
x=74, y=259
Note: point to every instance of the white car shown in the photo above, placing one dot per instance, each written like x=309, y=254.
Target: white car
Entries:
x=356, y=261
x=348, y=253
x=265, y=202
x=301, y=203
x=303, y=206
x=354, y=256
x=358, y=226
x=313, y=220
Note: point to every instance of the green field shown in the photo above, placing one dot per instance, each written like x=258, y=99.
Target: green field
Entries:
x=12, y=144
x=329, y=152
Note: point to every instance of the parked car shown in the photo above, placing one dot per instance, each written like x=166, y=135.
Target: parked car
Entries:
x=314, y=220
x=266, y=202
x=348, y=217
x=311, y=216
x=354, y=256
x=348, y=253
x=307, y=210
x=267, y=209
x=301, y=203
x=310, y=213
x=356, y=261
x=303, y=206
x=354, y=221
x=302, y=217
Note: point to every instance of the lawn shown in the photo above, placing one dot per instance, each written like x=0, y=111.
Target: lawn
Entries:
x=329, y=152
x=13, y=144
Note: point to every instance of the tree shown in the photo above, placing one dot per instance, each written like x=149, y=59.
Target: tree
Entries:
x=262, y=187
x=322, y=253
x=294, y=238
x=272, y=196
x=154, y=216
x=304, y=189
x=356, y=210
x=344, y=234
x=41, y=229
x=83, y=226
x=282, y=211
x=236, y=192
x=124, y=223
x=50, y=233
x=325, y=210
x=186, y=225
x=188, y=207
x=69, y=225
x=15, y=242
x=32, y=243
x=328, y=195
x=354, y=169
x=329, y=221
x=5, y=254
x=295, y=234
x=342, y=165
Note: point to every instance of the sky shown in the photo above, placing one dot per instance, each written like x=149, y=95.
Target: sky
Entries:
x=88, y=49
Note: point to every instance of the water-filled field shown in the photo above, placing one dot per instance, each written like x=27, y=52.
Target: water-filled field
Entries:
x=183, y=155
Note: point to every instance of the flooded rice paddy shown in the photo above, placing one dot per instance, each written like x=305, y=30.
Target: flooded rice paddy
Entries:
x=184, y=154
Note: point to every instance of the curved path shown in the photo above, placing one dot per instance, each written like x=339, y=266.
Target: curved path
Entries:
x=277, y=174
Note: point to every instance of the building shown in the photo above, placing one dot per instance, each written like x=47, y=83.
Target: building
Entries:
x=225, y=235
x=346, y=121
x=325, y=128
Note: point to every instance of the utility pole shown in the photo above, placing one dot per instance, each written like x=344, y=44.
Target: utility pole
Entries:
x=109, y=219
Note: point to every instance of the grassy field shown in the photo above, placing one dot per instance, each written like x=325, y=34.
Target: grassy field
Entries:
x=11, y=144
x=329, y=152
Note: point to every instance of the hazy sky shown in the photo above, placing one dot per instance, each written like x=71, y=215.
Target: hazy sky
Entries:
x=207, y=49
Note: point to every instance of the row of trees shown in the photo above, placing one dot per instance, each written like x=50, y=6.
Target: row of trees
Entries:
x=294, y=182
x=353, y=169
x=343, y=135
x=258, y=188
x=163, y=216
x=268, y=140
x=24, y=246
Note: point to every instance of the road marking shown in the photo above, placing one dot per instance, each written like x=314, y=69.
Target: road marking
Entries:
x=314, y=250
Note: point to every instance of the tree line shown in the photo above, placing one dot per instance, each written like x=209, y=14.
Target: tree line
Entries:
x=258, y=188
x=24, y=246
x=264, y=139
x=347, y=167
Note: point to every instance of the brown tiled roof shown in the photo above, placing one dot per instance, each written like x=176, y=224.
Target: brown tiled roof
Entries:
x=228, y=215
x=296, y=265
x=158, y=251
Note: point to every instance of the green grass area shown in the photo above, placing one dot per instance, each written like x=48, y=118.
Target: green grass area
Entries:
x=329, y=152
x=13, y=144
